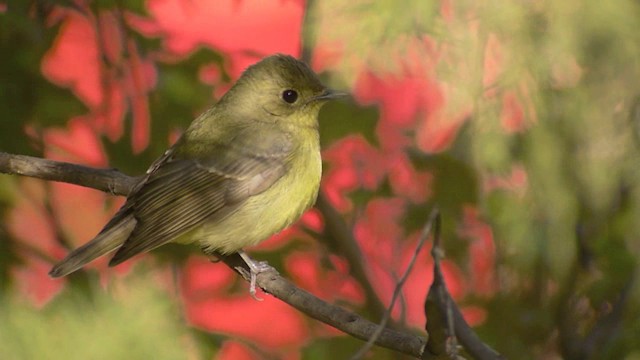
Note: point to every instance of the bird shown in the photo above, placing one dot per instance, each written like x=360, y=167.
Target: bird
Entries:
x=245, y=169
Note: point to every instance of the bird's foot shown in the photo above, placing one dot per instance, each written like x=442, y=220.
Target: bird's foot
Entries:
x=255, y=268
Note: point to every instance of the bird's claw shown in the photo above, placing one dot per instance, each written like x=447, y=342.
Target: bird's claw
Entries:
x=255, y=268
x=251, y=276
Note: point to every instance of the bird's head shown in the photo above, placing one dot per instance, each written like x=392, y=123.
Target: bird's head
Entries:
x=280, y=88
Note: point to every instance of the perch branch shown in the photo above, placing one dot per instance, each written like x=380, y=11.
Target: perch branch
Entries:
x=117, y=183
x=454, y=325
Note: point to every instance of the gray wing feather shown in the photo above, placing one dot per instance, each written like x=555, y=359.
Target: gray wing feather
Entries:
x=180, y=194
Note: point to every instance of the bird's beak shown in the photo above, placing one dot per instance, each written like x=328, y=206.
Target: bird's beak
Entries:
x=329, y=94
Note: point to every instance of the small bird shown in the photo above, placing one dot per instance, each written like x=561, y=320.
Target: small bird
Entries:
x=244, y=170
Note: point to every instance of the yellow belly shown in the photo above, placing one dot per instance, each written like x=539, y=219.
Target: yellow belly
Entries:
x=267, y=213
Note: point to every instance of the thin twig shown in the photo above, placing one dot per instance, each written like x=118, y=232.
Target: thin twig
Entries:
x=424, y=235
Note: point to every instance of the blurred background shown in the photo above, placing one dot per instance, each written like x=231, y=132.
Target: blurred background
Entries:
x=520, y=120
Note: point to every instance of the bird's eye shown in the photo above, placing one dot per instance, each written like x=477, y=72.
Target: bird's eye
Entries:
x=290, y=96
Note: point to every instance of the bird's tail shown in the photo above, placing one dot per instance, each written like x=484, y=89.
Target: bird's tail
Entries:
x=109, y=239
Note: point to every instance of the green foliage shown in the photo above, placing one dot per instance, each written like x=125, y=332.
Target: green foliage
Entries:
x=339, y=119
x=130, y=323
x=578, y=155
x=26, y=39
x=178, y=98
x=574, y=67
x=376, y=28
x=136, y=6
x=8, y=252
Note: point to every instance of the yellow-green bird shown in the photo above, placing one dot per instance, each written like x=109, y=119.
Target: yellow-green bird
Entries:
x=244, y=170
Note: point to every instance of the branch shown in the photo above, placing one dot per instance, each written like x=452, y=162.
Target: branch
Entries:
x=108, y=180
x=117, y=183
x=342, y=319
x=445, y=323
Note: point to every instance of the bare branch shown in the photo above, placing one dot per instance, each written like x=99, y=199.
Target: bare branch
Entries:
x=115, y=182
x=440, y=324
x=108, y=180
x=342, y=319
x=445, y=323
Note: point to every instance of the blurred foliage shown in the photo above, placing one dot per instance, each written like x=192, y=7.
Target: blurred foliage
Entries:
x=573, y=233
x=340, y=118
x=26, y=38
x=566, y=235
x=8, y=253
x=132, y=325
x=376, y=29
x=176, y=100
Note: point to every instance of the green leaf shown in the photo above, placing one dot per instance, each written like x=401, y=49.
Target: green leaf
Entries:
x=341, y=118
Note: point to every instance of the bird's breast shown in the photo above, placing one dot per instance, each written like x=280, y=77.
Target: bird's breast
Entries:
x=265, y=214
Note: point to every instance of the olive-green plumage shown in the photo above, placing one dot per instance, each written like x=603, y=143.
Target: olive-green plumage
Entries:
x=243, y=170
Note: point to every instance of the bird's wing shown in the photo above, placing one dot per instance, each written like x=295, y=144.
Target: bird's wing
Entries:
x=181, y=192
